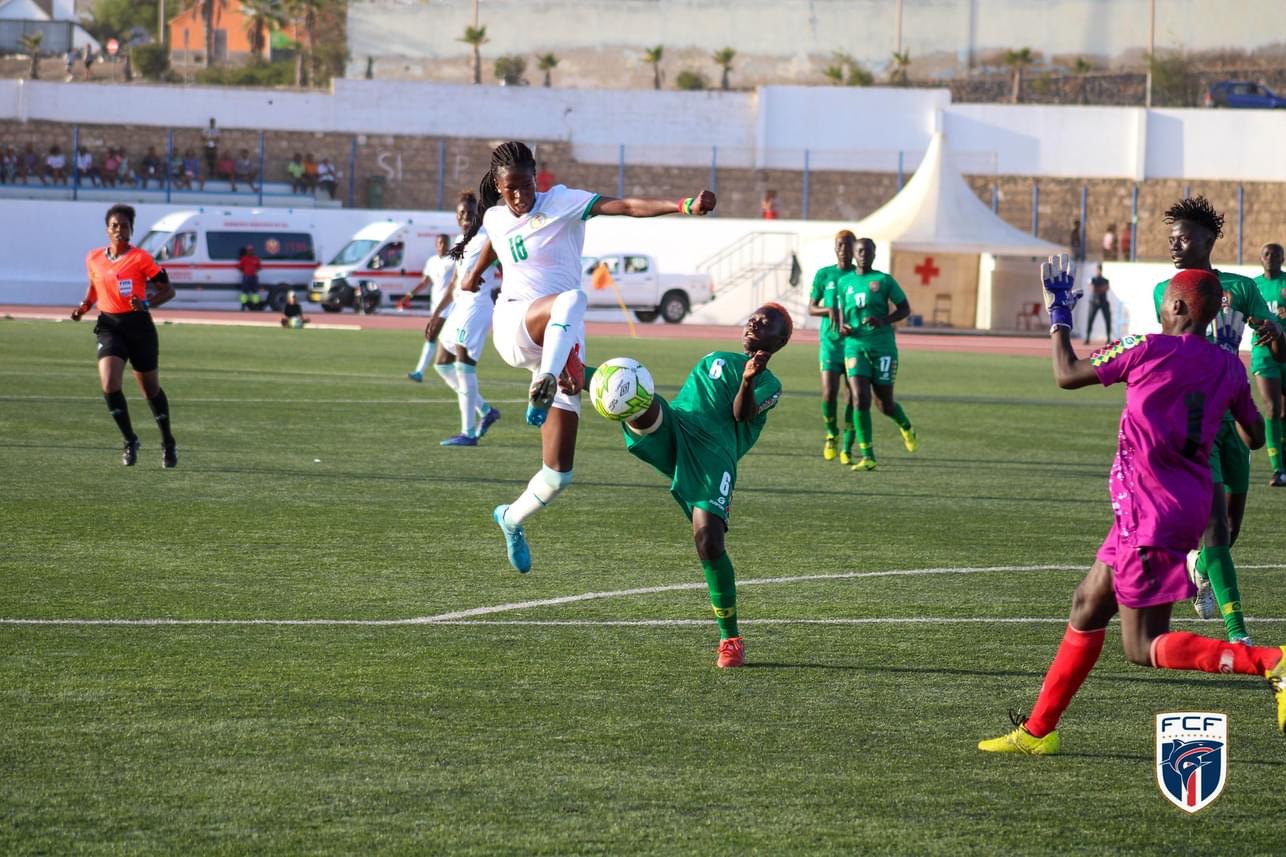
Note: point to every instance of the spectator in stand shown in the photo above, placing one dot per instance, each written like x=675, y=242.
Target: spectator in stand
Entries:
x=310, y=173
x=89, y=60
x=327, y=178
x=55, y=166
x=29, y=164
x=124, y=171
x=9, y=165
x=210, y=137
x=247, y=170
x=192, y=170
x=1074, y=241
x=544, y=178
x=769, y=205
x=1109, y=243
x=86, y=172
x=226, y=168
x=296, y=170
x=151, y=169
x=177, y=179
x=249, y=265
x=69, y=60
x=1127, y=241
x=111, y=168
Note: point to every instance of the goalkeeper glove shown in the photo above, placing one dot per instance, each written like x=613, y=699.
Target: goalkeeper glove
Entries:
x=1058, y=276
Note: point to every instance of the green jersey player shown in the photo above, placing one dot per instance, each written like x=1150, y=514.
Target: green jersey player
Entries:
x=1194, y=228
x=1267, y=369
x=830, y=348
x=870, y=350
x=697, y=440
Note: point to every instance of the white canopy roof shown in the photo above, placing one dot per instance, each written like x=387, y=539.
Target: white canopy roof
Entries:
x=936, y=211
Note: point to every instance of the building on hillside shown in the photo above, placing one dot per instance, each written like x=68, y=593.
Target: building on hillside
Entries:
x=57, y=19
x=233, y=28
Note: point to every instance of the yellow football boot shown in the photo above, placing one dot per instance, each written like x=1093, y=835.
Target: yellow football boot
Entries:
x=1022, y=741
x=828, y=451
x=908, y=437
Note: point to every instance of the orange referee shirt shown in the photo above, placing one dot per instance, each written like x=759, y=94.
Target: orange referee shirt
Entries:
x=117, y=281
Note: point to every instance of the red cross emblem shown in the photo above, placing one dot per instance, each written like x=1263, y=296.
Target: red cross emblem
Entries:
x=926, y=270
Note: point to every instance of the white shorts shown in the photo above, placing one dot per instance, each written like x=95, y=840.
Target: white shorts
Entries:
x=513, y=342
x=468, y=323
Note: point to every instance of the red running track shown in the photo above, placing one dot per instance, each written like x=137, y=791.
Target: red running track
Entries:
x=909, y=339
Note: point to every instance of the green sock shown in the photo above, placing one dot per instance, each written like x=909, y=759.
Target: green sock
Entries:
x=722, y=584
x=850, y=433
x=829, y=410
x=1275, y=444
x=899, y=416
x=1223, y=577
x=864, y=445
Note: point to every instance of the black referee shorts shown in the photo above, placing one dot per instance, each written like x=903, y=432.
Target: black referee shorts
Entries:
x=130, y=336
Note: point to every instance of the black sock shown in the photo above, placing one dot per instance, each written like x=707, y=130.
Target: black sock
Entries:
x=120, y=412
x=161, y=411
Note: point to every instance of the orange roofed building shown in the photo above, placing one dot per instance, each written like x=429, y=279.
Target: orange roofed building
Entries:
x=231, y=26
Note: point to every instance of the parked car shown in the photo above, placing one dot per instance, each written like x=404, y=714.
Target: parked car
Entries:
x=643, y=288
x=1243, y=93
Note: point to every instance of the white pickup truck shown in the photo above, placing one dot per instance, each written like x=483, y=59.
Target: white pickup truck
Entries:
x=643, y=288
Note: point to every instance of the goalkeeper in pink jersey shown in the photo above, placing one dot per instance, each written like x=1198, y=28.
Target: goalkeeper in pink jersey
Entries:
x=1179, y=385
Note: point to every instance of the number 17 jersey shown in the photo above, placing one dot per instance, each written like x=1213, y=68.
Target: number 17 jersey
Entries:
x=540, y=251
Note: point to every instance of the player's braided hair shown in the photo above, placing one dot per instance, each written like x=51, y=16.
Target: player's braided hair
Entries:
x=510, y=155
x=1197, y=210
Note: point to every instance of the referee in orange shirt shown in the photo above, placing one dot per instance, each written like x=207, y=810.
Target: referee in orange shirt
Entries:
x=126, y=282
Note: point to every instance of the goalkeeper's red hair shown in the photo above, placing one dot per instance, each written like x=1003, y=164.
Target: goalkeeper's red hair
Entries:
x=1201, y=292
x=789, y=323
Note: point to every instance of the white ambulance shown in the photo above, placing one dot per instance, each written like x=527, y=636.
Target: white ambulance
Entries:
x=200, y=249
x=389, y=254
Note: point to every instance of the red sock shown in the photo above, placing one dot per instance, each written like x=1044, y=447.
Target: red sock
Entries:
x=1076, y=656
x=1179, y=650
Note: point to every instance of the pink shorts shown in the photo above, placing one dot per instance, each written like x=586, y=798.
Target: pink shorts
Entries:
x=1145, y=576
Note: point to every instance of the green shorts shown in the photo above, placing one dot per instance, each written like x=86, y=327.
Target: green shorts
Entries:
x=702, y=475
x=830, y=354
x=1264, y=365
x=1230, y=460
x=878, y=362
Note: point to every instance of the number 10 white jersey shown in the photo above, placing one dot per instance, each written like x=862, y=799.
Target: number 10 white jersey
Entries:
x=540, y=251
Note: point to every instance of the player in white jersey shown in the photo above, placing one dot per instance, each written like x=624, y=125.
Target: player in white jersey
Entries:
x=438, y=272
x=464, y=333
x=539, y=321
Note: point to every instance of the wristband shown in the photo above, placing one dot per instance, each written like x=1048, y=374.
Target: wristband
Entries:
x=1060, y=316
x=146, y=304
x=686, y=205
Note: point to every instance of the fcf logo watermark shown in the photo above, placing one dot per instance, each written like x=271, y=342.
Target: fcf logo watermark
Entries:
x=1192, y=757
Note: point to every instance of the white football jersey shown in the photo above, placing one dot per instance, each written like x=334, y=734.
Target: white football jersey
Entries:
x=439, y=270
x=540, y=251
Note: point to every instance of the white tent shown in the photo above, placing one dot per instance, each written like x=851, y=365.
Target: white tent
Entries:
x=937, y=212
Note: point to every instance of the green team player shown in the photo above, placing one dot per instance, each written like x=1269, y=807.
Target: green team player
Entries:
x=697, y=440
x=1266, y=368
x=830, y=348
x=1194, y=228
x=870, y=350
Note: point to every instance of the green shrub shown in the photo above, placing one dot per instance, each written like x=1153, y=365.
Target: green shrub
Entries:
x=690, y=80
x=151, y=61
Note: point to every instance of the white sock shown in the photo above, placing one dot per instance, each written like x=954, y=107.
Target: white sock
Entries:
x=541, y=491
x=446, y=371
x=426, y=354
x=566, y=320
x=467, y=379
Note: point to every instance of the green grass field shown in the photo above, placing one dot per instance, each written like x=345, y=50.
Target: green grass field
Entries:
x=282, y=707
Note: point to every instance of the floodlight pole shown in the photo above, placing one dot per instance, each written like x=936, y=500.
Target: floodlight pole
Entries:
x=1152, y=48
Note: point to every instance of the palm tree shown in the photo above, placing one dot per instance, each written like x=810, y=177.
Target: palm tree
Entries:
x=1081, y=68
x=901, y=60
x=653, y=56
x=1018, y=60
x=207, y=8
x=306, y=16
x=262, y=17
x=834, y=73
x=475, y=37
x=31, y=45
x=723, y=58
x=547, y=63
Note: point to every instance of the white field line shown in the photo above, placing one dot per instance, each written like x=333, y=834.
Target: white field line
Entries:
x=468, y=617
x=198, y=400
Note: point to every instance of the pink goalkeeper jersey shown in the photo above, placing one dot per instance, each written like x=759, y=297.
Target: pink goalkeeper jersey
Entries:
x=1178, y=389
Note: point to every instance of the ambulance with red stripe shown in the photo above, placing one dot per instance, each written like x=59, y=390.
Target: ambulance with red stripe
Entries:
x=388, y=254
x=200, y=249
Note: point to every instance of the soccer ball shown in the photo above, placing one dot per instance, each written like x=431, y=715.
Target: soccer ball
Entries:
x=621, y=389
